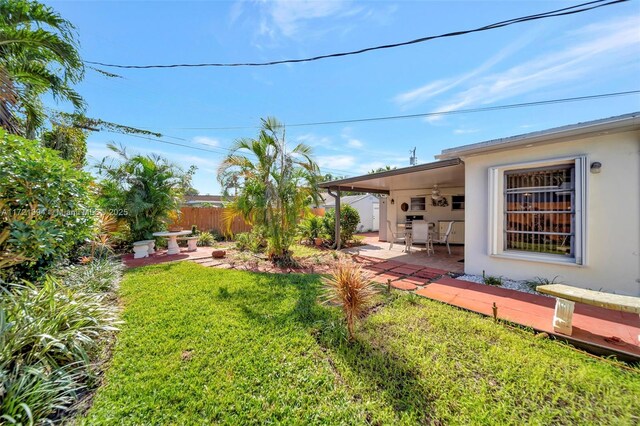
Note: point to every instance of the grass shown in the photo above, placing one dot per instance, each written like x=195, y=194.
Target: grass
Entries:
x=202, y=346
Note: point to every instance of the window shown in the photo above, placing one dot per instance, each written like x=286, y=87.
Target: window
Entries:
x=418, y=203
x=537, y=211
x=457, y=202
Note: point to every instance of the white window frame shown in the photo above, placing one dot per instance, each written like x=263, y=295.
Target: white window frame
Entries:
x=496, y=212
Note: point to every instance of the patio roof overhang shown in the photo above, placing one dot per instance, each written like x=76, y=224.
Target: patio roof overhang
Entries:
x=445, y=174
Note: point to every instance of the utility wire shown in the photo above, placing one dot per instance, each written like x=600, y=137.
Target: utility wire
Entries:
x=434, y=113
x=220, y=151
x=579, y=8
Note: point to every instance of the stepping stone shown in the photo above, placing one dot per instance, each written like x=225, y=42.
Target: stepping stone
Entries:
x=382, y=278
x=404, y=285
x=429, y=273
x=403, y=270
x=411, y=266
x=416, y=281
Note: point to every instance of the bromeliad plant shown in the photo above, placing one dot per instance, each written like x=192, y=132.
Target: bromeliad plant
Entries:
x=352, y=290
x=274, y=186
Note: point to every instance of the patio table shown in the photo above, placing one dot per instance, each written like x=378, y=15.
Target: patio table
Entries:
x=172, y=246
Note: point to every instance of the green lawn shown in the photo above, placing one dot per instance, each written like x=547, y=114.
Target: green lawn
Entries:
x=202, y=346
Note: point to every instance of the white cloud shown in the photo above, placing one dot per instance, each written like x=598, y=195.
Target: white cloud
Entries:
x=598, y=49
x=465, y=131
x=355, y=143
x=288, y=17
x=336, y=162
x=206, y=140
x=429, y=90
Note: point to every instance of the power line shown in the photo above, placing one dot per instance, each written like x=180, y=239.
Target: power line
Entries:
x=221, y=151
x=435, y=113
x=579, y=8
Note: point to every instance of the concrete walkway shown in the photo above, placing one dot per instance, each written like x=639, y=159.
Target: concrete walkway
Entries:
x=599, y=330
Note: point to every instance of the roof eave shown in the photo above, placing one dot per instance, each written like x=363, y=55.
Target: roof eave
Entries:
x=624, y=123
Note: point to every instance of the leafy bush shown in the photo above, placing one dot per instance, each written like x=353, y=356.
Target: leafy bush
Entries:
x=253, y=241
x=49, y=335
x=349, y=219
x=206, y=239
x=312, y=228
x=47, y=204
x=144, y=190
x=97, y=276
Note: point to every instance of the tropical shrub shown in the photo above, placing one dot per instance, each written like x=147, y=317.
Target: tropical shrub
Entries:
x=146, y=191
x=352, y=290
x=312, y=228
x=274, y=185
x=50, y=335
x=349, y=219
x=48, y=207
x=206, y=239
x=70, y=142
x=253, y=241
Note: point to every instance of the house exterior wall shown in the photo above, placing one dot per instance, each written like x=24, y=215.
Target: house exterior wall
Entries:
x=432, y=213
x=612, y=231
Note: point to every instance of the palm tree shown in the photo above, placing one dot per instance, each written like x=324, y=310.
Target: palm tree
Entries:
x=275, y=186
x=146, y=190
x=38, y=55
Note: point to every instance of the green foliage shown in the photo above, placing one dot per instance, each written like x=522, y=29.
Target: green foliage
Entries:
x=206, y=239
x=253, y=241
x=47, y=203
x=49, y=338
x=311, y=228
x=275, y=186
x=38, y=55
x=70, y=142
x=491, y=280
x=532, y=284
x=144, y=190
x=349, y=219
x=259, y=349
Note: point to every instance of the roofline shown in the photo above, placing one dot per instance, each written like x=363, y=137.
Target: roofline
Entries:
x=345, y=184
x=617, y=124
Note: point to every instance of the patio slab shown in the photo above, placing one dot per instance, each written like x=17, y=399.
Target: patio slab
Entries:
x=161, y=256
x=592, y=326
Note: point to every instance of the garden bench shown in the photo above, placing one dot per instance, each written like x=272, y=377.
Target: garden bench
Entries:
x=192, y=243
x=143, y=248
x=566, y=296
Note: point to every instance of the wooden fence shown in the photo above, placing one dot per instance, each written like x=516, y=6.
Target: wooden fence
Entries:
x=209, y=218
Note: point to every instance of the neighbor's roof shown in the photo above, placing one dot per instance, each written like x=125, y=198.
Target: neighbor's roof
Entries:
x=617, y=124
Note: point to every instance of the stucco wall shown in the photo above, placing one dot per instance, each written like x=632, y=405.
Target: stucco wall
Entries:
x=431, y=214
x=612, y=215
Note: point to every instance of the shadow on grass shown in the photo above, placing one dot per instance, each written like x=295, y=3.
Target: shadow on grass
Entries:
x=387, y=375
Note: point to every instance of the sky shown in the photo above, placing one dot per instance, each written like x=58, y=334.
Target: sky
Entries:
x=208, y=108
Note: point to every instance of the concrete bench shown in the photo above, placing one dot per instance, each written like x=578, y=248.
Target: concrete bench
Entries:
x=192, y=243
x=566, y=296
x=143, y=248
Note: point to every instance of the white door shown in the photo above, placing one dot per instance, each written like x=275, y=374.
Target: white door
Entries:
x=376, y=217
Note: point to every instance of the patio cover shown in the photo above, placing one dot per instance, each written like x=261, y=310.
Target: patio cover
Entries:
x=445, y=174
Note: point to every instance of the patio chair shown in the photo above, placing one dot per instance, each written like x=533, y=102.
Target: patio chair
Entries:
x=445, y=238
x=397, y=237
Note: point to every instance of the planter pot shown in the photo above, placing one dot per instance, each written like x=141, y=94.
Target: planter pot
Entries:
x=318, y=241
x=175, y=228
x=218, y=254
